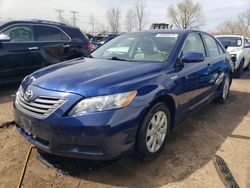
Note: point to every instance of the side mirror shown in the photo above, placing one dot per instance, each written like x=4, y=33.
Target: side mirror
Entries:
x=4, y=38
x=247, y=45
x=192, y=57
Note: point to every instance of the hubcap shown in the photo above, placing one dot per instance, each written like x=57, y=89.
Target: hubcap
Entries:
x=156, y=131
x=226, y=88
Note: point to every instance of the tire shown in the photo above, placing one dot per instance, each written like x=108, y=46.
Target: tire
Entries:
x=239, y=70
x=247, y=67
x=223, y=96
x=148, y=132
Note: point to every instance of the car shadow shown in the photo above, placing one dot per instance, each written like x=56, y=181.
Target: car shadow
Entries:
x=190, y=146
x=7, y=92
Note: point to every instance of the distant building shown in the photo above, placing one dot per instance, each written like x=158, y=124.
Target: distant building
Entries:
x=161, y=26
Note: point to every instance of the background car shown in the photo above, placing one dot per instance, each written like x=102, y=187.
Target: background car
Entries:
x=100, y=39
x=239, y=48
x=26, y=46
x=126, y=98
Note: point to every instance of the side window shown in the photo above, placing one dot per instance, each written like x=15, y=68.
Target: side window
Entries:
x=212, y=47
x=246, y=41
x=194, y=43
x=221, y=51
x=19, y=33
x=48, y=33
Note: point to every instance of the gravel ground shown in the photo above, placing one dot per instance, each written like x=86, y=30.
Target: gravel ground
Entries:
x=185, y=162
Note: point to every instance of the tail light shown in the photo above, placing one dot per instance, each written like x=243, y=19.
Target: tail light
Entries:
x=90, y=47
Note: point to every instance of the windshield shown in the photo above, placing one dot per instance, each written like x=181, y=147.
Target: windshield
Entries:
x=230, y=41
x=138, y=47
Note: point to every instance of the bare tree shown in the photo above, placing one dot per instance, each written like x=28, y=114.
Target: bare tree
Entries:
x=113, y=18
x=244, y=22
x=141, y=14
x=229, y=27
x=240, y=25
x=130, y=21
x=92, y=22
x=187, y=14
x=102, y=28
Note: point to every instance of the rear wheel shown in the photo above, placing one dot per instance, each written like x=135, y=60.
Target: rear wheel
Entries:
x=152, y=133
x=222, y=98
x=239, y=70
x=247, y=67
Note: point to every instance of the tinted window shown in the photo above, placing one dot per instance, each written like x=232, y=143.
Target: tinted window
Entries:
x=48, y=33
x=97, y=39
x=211, y=46
x=19, y=33
x=194, y=43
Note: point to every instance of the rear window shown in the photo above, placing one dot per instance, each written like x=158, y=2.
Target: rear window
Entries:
x=48, y=33
x=98, y=39
x=212, y=46
x=77, y=35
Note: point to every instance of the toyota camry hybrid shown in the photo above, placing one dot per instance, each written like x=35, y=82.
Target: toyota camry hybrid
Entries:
x=125, y=97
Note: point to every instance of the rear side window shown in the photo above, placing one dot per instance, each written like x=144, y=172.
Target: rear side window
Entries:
x=220, y=49
x=19, y=33
x=194, y=43
x=212, y=47
x=48, y=33
x=76, y=35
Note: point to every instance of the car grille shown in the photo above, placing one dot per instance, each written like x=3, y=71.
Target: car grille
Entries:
x=41, y=107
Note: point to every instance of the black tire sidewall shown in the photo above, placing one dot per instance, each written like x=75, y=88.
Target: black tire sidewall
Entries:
x=239, y=70
x=141, y=148
x=221, y=98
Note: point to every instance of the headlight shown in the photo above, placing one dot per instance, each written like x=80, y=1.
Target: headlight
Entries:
x=101, y=103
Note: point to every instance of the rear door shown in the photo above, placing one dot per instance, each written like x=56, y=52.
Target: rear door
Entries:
x=53, y=44
x=193, y=77
x=217, y=61
x=15, y=55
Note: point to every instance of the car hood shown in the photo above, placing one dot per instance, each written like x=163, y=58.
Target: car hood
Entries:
x=234, y=50
x=90, y=77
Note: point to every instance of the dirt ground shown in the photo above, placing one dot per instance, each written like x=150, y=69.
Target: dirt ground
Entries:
x=185, y=162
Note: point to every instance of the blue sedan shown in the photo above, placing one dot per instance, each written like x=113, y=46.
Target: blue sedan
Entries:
x=125, y=97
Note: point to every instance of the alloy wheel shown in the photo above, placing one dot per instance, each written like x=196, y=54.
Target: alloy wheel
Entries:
x=156, y=131
x=226, y=88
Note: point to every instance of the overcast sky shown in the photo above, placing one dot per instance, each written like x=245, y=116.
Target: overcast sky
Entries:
x=215, y=11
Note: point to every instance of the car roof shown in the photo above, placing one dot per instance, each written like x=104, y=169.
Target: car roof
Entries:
x=3, y=22
x=171, y=31
x=36, y=21
x=228, y=36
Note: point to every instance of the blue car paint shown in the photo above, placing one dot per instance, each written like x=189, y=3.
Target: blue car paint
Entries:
x=112, y=133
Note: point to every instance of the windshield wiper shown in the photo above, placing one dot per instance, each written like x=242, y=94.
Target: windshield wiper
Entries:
x=119, y=59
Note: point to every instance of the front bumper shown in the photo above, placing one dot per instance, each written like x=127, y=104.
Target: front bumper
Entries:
x=97, y=136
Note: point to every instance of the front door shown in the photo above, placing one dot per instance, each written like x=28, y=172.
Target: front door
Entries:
x=193, y=77
x=15, y=55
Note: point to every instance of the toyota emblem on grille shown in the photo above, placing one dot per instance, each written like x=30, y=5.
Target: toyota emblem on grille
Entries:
x=28, y=95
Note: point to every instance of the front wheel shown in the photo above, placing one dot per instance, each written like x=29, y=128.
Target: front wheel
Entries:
x=152, y=132
x=223, y=96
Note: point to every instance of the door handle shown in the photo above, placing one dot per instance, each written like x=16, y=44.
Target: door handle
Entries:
x=33, y=48
x=65, y=45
